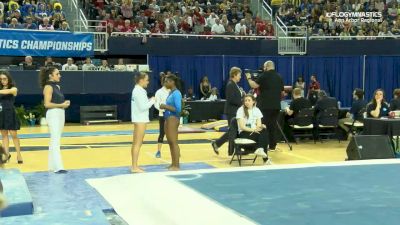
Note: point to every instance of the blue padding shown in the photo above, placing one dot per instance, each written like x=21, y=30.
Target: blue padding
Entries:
x=339, y=195
x=86, y=217
x=17, y=194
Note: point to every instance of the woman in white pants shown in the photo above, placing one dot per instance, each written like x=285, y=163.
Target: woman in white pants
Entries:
x=55, y=104
x=140, y=106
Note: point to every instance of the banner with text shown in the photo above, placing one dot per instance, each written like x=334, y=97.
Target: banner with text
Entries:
x=45, y=43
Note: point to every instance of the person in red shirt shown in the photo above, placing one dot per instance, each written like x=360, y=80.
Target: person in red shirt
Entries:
x=128, y=27
x=313, y=89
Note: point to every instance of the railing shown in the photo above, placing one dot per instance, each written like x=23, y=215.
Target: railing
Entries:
x=116, y=34
x=100, y=41
x=344, y=38
x=267, y=9
x=292, y=45
x=80, y=23
x=90, y=25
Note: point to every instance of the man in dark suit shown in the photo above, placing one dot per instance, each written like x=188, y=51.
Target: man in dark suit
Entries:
x=270, y=84
x=298, y=103
x=233, y=102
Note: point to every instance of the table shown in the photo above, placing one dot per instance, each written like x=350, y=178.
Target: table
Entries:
x=205, y=110
x=385, y=126
x=375, y=126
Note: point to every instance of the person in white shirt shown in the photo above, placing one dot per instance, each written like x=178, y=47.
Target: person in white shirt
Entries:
x=45, y=25
x=250, y=127
x=120, y=66
x=217, y=28
x=140, y=106
x=161, y=98
x=69, y=65
x=211, y=19
x=213, y=95
x=240, y=26
x=88, y=65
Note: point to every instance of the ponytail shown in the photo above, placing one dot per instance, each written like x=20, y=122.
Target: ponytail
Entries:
x=44, y=75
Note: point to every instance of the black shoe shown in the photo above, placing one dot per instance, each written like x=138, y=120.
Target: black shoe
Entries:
x=20, y=162
x=215, y=147
x=61, y=172
x=272, y=149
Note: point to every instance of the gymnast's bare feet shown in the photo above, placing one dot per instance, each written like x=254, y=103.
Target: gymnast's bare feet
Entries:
x=174, y=168
x=137, y=170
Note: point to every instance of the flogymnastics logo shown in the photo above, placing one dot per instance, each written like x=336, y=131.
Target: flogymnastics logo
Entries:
x=354, y=17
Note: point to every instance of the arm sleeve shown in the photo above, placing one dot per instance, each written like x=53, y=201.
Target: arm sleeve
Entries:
x=178, y=102
x=369, y=109
x=230, y=96
x=142, y=101
x=259, y=114
x=240, y=113
x=157, y=102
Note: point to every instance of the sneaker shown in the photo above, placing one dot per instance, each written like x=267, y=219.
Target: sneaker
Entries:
x=267, y=161
x=260, y=152
x=61, y=172
x=215, y=147
x=158, y=154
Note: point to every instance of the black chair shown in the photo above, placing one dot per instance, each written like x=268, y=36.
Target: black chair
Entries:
x=327, y=123
x=239, y=146
x=302, y=124
x=357, y=126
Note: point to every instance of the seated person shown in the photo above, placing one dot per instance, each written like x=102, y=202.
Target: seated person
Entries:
x=213, y=95
x=358, y=104
x=250, y=127
x=378, y=107
x=190, y=96
x=325, y=102
x=29, y=64
x=205, y=88
x=395, y=103
x=298, y=103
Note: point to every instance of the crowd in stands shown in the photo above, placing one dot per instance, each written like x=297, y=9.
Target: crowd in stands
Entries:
x=316, y=15
x=33, y=14
x=178, y=17
x=86, y=65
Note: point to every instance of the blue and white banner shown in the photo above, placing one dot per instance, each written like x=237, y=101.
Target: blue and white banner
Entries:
x=45, y=43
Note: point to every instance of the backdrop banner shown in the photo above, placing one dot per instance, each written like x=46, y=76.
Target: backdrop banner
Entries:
x=45, y=43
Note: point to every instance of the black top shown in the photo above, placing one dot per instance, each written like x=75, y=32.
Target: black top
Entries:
x=299, y=104
x=206, y=90
x=357, y=106
x=57, y=97
x=325, y=103
x=383, y=112
x=233, y=98
x=7, y=101
x=34, y=66
x=271, y=87
x=395, y=104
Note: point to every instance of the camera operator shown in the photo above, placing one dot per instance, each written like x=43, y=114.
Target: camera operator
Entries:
x=270, y=84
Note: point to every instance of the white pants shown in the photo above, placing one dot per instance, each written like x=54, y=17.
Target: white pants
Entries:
x=55, y=120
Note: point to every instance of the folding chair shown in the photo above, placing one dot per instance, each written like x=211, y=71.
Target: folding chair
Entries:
x=239, y=146
x=357, y=126
x=327, y=123
x=303, y=124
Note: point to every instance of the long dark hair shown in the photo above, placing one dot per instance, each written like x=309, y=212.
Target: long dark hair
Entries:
x=373, y=100
x=10, y=83
x=44, y=75
x=245, y=109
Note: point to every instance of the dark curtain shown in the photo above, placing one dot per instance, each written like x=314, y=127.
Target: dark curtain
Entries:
x=338, y=76
x=382, y=72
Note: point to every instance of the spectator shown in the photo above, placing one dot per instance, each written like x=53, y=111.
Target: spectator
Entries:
x=218, y=28
x=211, y=19
x=29, y=24
x=49, y=62
x=126, y=9
x=300, y=84
x=141, y=29
x=240, y=27
x=57, y=9
x=190, y=96
x=64, y=26
x=358, y=104
x=2, y=23
x=29, y=64
x=298, y=103
x=205, y=88
x=395, y=103
x=41, y=12
x=384, y=32
x=14, y=24
x=120, y=66
x=88, y=65
x=324, y=102
x=69, y=65
x=378, y=106
x=313, y=89
x=104, y=66
x=57, y=20
x=128, y=27
x=45, y=25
